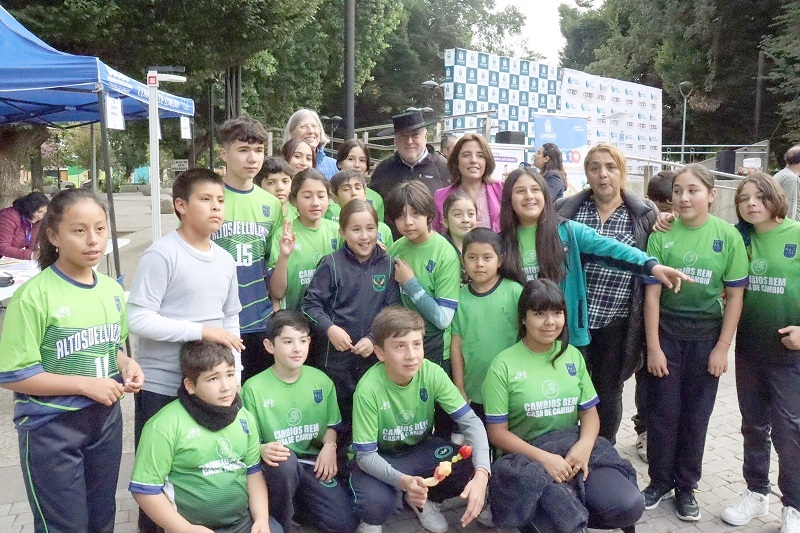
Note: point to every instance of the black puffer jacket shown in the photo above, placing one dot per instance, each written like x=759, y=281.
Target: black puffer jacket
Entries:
x=643, y=214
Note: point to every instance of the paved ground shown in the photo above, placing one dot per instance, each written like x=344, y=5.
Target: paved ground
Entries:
x=721, y=482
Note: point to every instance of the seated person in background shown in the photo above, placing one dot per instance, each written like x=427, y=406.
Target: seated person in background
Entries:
x=392, y=422
x=19, y=226
x=197, y=462
x=298, y=448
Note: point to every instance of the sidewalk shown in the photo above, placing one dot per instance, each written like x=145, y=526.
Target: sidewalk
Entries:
x=722, y=468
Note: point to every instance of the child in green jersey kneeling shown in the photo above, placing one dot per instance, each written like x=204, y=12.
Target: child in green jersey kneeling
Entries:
x=392, y=422
x=197, y=462
x=297, y=414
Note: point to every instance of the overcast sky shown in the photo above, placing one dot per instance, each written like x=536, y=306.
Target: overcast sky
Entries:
x=541, y=29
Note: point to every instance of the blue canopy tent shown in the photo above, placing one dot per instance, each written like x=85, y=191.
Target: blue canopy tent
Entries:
x=39, y=84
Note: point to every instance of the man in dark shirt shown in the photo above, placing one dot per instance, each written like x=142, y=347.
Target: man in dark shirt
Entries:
x=413, y=158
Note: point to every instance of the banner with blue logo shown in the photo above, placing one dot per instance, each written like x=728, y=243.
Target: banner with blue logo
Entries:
x=570, y=135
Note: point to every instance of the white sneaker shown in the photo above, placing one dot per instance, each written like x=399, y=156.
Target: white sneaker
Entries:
x=790, y=521
x=641, y=445
x=430, y=517
x=751, y=505
x=363, y=527
x=485, y=518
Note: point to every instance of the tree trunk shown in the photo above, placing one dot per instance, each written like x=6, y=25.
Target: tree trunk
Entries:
x=37, y=172
x=15, y=141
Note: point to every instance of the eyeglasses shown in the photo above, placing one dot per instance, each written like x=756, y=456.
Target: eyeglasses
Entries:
x=308, y=126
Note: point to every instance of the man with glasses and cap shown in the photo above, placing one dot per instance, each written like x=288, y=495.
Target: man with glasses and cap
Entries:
x=413, y=158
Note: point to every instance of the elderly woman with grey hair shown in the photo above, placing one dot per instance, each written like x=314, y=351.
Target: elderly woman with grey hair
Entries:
x=305, y=124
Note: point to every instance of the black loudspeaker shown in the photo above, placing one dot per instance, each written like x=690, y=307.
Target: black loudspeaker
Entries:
x=509, y=137
x=726, y=161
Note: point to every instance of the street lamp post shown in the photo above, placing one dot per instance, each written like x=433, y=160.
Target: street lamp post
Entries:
x=686, y=88
x=154, y=76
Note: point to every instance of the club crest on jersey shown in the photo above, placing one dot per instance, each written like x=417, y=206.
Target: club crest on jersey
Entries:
x=317, y=395
x=334, y=243
x=571, y=370
x=789, y=251
x=118, y=302
x=430, y=266
x=329, y=484
x=379, y=282
x=423, y=394
x=443, y=451
x=717, y=246
x=265, y=210
x=245, y=428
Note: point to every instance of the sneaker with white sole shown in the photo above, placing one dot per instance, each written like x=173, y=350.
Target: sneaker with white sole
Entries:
x=485, y=518
x=751, y=505
x=641, y=445
x=790, y=520
x=430, y=517
x=363, y=527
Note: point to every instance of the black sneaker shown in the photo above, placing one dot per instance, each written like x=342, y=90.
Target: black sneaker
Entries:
x=653, y=495
x=686, y=505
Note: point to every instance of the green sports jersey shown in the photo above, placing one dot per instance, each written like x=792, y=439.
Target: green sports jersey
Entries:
x=437, y=268
x=251, y=218
x=297, y=414
x=527, y=252
x=202, y=472
x=389, y=418
x=57, y=325
x=713, y=255
x=487, y=325
x=333, y=212
x=534, y=396
x=772, y=299
x=377, y=202
x=311, y=245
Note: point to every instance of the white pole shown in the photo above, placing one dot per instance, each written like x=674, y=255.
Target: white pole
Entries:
x=683, y=132
x=155, y=180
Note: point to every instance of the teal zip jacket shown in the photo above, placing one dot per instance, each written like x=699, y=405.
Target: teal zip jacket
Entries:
x=581, y=240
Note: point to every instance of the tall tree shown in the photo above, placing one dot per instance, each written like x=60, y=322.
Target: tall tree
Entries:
x=712, y=43
x=782, y=47
x=416, y=51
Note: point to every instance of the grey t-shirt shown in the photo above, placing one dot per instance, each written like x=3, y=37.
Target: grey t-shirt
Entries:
x=177, y=290
x=788, y=182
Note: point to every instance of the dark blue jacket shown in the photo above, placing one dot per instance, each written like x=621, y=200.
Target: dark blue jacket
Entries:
x=347, y=293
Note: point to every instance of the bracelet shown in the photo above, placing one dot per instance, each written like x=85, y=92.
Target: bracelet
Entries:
x=723, y=342
x=330, y=442
x=481, y=469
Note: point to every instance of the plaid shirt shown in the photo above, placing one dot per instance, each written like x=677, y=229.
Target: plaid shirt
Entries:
x=608, y=290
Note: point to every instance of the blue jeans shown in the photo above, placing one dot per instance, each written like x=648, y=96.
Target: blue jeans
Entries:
x=679, y=407
x=769, y=399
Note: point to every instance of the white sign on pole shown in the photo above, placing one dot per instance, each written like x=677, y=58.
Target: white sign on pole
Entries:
x=180, y=165
x=114, y=118
x=186, y=127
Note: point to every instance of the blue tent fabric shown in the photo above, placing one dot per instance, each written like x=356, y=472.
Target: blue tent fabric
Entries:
x=43, y=85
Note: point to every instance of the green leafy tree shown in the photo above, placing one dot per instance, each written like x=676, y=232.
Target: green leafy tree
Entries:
x=782, y=48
